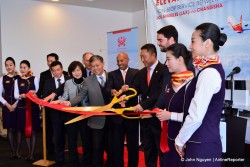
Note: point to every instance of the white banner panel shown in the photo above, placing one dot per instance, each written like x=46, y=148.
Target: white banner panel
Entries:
x=232, y=16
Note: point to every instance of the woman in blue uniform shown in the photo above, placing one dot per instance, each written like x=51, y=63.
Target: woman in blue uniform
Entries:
x=177, y=61
x=9, y=103
x=28, y=121
x=203, y=101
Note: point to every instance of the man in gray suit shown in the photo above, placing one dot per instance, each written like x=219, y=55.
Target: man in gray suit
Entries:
x=94, y=89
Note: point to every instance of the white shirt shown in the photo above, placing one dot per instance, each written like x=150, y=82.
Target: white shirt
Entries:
x=152, y=68
x=2, y=100
x=124, y=70
x=208, y=84
x=16, y=89
x=62, y=80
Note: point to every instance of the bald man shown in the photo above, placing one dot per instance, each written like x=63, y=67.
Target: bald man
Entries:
x=124, y=75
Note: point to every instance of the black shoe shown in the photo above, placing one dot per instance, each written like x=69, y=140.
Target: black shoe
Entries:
x=18, y=157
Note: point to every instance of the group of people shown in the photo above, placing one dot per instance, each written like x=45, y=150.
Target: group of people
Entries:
x=187, y=91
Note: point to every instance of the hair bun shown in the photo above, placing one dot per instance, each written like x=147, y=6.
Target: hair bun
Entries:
x=223, y=39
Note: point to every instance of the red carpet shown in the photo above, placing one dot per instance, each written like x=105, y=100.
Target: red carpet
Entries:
x=141, y=157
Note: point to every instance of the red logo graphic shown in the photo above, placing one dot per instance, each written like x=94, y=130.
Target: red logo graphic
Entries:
x=121, y=41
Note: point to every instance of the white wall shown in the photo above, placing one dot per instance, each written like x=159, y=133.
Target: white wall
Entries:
x=32, y=29
x=139, y=21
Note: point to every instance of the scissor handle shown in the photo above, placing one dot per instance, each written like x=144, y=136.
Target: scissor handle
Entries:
x=117, y=100
x=132, y=95
x=120, y=111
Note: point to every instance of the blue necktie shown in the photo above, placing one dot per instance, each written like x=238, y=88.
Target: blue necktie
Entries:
x=102, y=81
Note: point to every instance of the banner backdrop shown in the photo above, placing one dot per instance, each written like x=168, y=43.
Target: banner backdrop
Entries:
x=231, y=16
x=123, y=41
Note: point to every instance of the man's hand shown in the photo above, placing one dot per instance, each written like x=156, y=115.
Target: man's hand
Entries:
x=113, y=92
x=124, y=88
x=50, y=97
x=138, y=108
x=143, y=116
x=163, y=115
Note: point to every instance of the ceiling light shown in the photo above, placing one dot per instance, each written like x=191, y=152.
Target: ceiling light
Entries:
x=55, y=0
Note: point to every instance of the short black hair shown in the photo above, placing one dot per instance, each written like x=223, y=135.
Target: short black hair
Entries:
x=53, y=55
x=55, y=63
x=96, y=57
x=150, y=48
x=73, y=66
x=10, y=59
x=25, y=62
x=168, y=32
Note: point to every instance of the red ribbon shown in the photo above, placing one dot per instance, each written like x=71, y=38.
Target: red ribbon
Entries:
x=28, y=123
x=60, y=107
x=164, y=135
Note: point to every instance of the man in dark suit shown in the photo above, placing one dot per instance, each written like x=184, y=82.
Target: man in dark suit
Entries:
x=94, y=87
x=55, y=86
x=43, y=77
x=148, y=83
x=124, y=127
x=167, y=36
x=85, y=61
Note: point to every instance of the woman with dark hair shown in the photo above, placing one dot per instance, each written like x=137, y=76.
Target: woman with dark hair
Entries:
x=71, y=88
x=177, y=61
x=9, y=103
x=204, y=98
x=28, y=121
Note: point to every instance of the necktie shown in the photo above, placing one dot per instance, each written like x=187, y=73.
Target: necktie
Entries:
x=148, y=75
x=164, y=137
x=59, y=82
x=124, y=75
x=102, y=81
x=90, y=73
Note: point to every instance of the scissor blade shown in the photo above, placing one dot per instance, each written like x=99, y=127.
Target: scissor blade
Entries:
x=86, y=109
x=79, y=118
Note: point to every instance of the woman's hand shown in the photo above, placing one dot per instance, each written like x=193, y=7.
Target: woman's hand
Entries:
x=66, y=103
x=163, y=115
x=14, y=105
x=9, y=106
x=180, y=150
x=22, y=96
x=56, y=102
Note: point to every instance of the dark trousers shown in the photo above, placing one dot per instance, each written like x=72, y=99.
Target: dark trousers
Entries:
x=73, y=130
x=58, y=118
x=130, y=129
x=108, y=141
x=102, y=140
x=97, y=136
x=151, y=131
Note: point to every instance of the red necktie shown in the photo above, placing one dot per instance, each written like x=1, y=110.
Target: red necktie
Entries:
x=164, y=137
x=148, y=75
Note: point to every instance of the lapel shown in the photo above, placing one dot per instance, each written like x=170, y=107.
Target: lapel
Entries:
x=53, y=83
x=119, y=77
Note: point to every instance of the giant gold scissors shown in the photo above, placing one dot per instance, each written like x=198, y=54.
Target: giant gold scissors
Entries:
x=108, y=107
